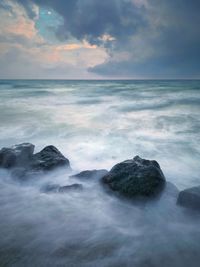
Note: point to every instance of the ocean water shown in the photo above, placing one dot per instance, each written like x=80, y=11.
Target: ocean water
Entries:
x=97, y=124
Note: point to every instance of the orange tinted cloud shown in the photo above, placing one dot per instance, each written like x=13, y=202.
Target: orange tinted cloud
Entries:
x=23, y=27
x=17, y=22
x=75, y=46
x=37, y=51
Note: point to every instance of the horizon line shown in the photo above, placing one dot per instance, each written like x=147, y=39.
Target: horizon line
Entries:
x=122, y=79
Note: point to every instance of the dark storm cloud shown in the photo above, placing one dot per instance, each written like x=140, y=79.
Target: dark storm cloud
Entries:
x=90, y=19
x=175, y=45
x=168, y=32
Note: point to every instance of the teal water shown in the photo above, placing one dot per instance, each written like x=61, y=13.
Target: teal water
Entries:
x=97, y=124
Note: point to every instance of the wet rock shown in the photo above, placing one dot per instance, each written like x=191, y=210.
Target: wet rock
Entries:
x=90, y=174
x=17, y=155
x=73, y=187
x=49, y=158
x=136, y=178
x=190, y=198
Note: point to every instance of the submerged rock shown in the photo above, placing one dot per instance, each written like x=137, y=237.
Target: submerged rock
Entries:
x=50, y=188
x=18, y=155
x=190, y=198
x=73, y=187
x=90, y=174
x=56, y=188
x=136, y=178
x=49, y=158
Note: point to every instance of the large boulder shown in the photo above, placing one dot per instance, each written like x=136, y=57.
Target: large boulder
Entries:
x=90, y=174
x=18, y=155
x=49, y=158
x=190, y=198
x=136, y=178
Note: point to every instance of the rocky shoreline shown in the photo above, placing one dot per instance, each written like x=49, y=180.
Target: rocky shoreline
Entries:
x=135, y=179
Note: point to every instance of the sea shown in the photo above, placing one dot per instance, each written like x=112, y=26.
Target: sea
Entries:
x=97, y=124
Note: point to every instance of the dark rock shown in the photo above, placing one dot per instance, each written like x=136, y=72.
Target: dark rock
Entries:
x=73, y=187
x=25, y=165
x=90, y=174
x=7, y=158
x=190, y=198
x=50, y=188
x=17, y=155
x=136, y=178
x=49, y=158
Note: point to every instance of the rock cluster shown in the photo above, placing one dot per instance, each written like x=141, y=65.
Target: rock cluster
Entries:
x=133, y=179
x=22, y=156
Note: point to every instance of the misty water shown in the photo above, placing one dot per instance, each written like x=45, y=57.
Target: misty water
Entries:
x=97, y=124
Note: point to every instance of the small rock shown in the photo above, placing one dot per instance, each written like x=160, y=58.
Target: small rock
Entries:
x=136, y=178
x=190, y=198
x=73, y=187
x=56, y=188
x=50, y=188
x=90, y=174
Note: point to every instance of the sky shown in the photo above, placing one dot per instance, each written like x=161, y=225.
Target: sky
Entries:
x=99, y=39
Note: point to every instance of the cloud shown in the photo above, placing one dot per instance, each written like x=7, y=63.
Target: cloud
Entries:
x=115, y=38
x=25, y=53
x=49, y=62
x=168, y=46
x=91, y=19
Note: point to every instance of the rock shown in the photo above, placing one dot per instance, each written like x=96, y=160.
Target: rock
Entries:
x=7, y=158
x=73, y=187
x=90, y=174
x=190, y=198
x=25, y=165
x=49, y=158
x=17, y=155
x=136, y=178
x=50, y=188
x=56, y=188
